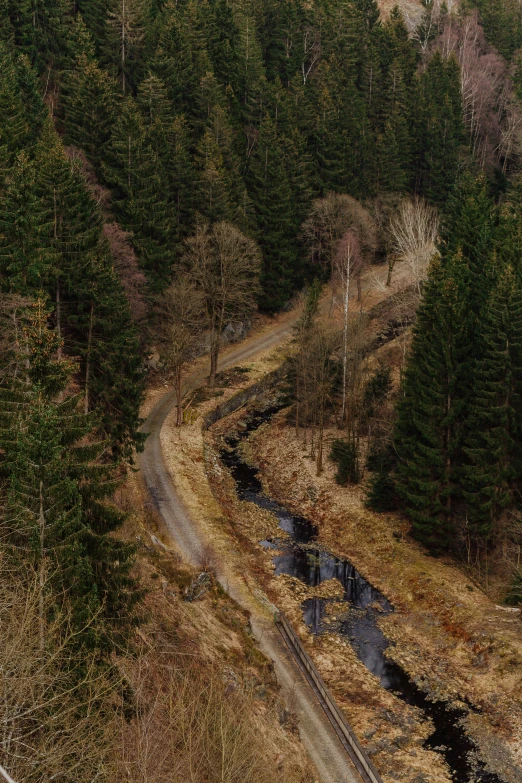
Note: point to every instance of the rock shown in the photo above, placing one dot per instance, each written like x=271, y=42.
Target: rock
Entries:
x=158, y=543
x=198, y=587
x=235, y=331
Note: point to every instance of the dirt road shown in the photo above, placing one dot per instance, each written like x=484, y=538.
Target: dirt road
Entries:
x=317, y=734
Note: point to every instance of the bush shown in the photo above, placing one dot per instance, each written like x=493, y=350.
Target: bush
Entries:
x=381, y=495
x=344, y=455
x=514, y=597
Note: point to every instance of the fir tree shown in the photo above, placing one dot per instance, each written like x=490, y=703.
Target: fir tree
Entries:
x=89, y=100
x=440, y=129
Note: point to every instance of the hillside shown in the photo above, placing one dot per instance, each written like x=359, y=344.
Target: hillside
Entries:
x=333, y=187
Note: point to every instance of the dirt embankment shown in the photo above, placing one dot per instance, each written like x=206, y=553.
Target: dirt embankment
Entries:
x=197, y=652
x=448, y=635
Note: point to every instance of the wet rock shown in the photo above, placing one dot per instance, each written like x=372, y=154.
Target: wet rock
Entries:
x=198, y=587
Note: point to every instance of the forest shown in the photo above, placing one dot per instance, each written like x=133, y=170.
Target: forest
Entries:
x=168, y=168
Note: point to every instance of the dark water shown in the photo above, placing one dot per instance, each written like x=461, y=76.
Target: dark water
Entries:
x=298, y=557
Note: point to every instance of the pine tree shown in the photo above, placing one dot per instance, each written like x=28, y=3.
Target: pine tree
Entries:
x=25, y=266
x=89, y=100
x=40, y=28
x=428, y=432
x=180, y=59
x=493, y=477
x=440, y=129
x=221, y=193
x=140, y=201
x=56, y=517
x=20, y=106
x=51, y=240
x=272, y=199
x=126, y=30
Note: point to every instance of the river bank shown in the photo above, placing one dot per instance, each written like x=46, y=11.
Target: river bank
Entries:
x=394, y=732
x=448, y=636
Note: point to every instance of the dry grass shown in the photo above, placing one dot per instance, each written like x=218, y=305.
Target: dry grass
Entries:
x=448, y=633
x=194, y=724
x=207, y=706
x=56, y=706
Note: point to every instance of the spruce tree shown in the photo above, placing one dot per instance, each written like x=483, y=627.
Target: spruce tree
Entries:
x=273, y=204
x=428, y=432
x=57, y=519
x=439, y=128
x=89, y=99
x=492, y=480
x=140, y=199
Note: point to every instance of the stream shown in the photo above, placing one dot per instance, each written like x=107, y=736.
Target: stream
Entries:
x=299, y=556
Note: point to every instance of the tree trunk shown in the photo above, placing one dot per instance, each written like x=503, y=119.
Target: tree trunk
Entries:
x=214, y=356
x=59, y=320
x=123, y=43
x=88, y=362
x=41, y=575
x=345, y=340
x=319, y=459
x=179, y=417
x=391, y=264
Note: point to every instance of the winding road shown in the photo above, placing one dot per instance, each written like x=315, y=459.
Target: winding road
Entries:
x=317, y=734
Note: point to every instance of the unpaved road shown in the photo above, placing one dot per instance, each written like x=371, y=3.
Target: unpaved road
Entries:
x=331, y=760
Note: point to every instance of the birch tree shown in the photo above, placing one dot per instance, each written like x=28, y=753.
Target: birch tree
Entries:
x=347, y=261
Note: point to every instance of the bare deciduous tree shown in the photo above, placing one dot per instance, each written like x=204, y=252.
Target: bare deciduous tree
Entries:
x=224, y=264
x=316, y=371
x=56, y=720
x=191, y=726
x=483, y=81
x=180, y=321
x=346, y=265
x=414, y=233
x=329, y=220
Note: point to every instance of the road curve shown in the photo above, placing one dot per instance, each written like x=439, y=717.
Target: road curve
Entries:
x=319, y=738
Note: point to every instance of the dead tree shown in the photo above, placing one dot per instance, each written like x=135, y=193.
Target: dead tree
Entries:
x=329, y=220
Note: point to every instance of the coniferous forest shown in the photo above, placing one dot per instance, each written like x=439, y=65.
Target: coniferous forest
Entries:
x=169, y=167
